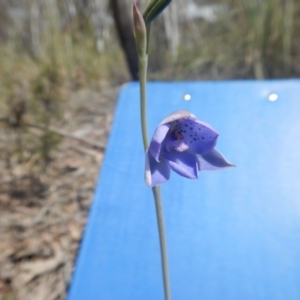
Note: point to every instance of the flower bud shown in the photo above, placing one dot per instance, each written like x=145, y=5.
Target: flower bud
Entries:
x=140, y=30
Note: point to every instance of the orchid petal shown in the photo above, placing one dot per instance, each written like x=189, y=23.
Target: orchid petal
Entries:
x=155, y=172
x=177, y=115
x=197, y=135
x=183, y=163
x=213, y=160
x=156, y=143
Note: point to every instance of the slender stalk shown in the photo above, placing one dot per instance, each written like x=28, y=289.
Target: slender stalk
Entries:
x=162, y=239
x=143, y=62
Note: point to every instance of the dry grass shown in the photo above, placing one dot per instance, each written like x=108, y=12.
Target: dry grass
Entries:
x=44, y=208
x=250, y=39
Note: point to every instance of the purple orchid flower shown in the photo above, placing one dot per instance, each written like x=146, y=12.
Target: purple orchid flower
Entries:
x=185, y=145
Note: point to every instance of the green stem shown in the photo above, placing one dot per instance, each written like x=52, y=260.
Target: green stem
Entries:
x=143, y=61
x=162, y=238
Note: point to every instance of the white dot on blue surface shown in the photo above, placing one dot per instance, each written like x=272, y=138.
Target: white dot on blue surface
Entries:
x=273, y=97
x=187, y=97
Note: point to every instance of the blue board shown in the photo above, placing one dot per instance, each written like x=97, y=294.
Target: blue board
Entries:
x=232, y=234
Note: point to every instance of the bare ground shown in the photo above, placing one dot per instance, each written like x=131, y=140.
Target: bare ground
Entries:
x=42, y=218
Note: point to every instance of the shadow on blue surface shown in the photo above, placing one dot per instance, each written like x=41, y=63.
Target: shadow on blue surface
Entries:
x=232, y=234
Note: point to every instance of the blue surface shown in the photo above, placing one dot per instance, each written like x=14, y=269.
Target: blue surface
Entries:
x=231, y=234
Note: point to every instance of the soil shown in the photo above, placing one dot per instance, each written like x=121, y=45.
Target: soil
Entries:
x=42, y=218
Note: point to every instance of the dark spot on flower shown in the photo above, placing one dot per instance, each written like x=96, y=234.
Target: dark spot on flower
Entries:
x=203, y=138
x=194, y=139
x=191, y=128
